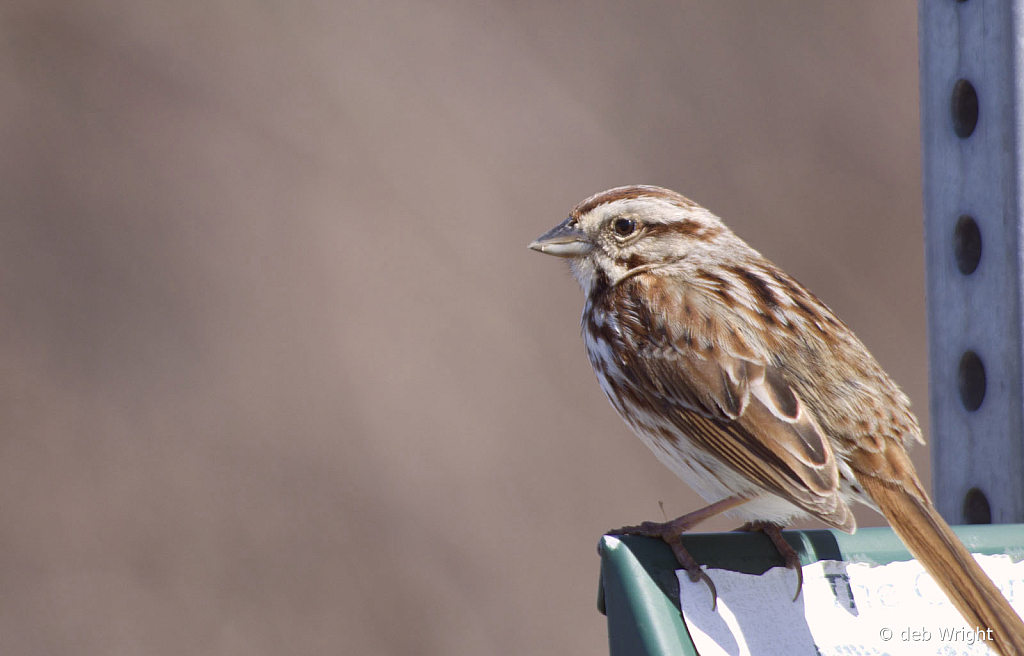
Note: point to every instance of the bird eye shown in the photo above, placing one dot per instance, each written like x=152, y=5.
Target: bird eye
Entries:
x=624, y=227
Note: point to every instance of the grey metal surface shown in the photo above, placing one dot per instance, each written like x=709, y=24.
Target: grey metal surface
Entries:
x=972, y=171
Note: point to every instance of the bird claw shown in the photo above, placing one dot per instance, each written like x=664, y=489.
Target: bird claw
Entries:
x=696, y=575
x=792, y=558
x=799, y=580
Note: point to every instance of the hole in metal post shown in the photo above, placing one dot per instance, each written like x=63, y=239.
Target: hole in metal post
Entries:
x=967, y=244
x=964, y=106
x=976, y=508
x=971, y=381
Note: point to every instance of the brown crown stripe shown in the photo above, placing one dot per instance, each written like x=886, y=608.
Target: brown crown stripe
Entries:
x=632, y=191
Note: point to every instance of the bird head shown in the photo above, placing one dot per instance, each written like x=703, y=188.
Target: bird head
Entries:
x=623, y=231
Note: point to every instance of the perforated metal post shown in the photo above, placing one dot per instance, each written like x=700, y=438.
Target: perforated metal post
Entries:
x=972, y=132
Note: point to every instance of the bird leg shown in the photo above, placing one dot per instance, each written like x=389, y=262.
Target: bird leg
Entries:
x=670, y=532
x=774, y=533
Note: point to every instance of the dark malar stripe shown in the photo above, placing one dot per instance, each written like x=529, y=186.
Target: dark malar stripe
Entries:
x=600, y=285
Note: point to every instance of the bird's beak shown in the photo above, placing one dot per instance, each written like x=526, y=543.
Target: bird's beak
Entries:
x=564, y=240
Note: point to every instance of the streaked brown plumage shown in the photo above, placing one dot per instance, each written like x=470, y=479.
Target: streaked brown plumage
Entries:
x=749, y=388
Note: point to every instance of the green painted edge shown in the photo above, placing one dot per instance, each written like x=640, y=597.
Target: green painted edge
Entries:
x=642, y=618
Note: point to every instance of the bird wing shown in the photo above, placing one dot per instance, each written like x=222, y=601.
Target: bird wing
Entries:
x=747, y=415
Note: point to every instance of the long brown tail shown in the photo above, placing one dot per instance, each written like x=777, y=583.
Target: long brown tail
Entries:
x=933, y=543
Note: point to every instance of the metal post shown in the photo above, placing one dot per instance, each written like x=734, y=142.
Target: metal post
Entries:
x=972, y=124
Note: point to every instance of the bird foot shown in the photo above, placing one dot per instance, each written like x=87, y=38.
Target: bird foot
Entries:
x=671, y=534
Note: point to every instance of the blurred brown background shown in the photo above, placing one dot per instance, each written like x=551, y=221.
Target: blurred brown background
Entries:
x=279, y=374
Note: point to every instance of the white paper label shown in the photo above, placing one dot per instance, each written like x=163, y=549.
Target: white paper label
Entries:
x=848, y=609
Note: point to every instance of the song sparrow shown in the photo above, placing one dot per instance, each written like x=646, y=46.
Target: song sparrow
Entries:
x=749, y=388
